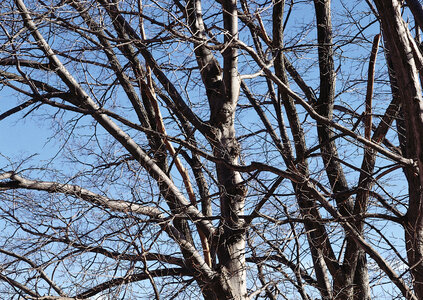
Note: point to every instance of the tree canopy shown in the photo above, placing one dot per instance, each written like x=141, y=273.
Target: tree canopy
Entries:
x=212, y=149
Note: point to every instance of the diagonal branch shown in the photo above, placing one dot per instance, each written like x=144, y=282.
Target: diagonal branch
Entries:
x=315, y=115
x=123, y=27
x=43, y=275
x=132, y=278
x=127, y=142
x=18, y=182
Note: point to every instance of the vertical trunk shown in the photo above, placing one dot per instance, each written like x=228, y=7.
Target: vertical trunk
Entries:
x=361, y=278
x=321, y=251
x=365, y=182
x=325, y=103
x=231, y=251
x=343, y=278
x=287, y=101
x=222, y=93
x=398, y=44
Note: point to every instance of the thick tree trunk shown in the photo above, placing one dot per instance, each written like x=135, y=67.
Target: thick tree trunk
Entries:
x=231, y=249
x=400, y=46
x=342, y=277
x=222, y=93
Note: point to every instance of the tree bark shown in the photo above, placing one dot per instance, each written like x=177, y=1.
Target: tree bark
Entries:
x=222, y=90
x=400, y=49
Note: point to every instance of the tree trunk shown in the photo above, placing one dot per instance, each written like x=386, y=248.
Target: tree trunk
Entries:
x=399, y=43
x=231, y=249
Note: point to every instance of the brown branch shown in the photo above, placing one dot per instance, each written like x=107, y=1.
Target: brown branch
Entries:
x=132, y=278
x=370, y=82
x=417, y=11
x=181, y=169
x=122, y=137
x=23, y=288
x=149, y=256
x=123, y=26
x=38, y=269
x=317, y=116
x=263, y=29
x=17, y=109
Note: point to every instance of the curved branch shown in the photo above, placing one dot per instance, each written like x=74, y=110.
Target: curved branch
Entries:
x=18, y=182
x=132, y=278
x=313, y=113
x=38, y=269
x=125, y=140
x=21, y=287
x=282, y=259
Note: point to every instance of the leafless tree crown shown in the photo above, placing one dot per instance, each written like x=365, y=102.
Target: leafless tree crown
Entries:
x=212, y=149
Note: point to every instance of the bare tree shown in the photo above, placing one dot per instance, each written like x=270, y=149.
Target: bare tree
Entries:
x=213, y=149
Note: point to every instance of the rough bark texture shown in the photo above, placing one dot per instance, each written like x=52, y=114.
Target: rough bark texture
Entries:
x=343, y=279
x=321, y=251
x=407, y=76
x=290, y=175
x=231, y=247
x=222, y=90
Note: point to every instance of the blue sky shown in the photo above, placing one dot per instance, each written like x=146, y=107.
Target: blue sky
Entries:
x=20, y=138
